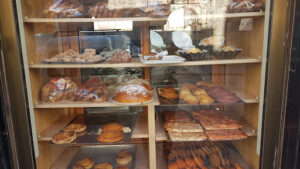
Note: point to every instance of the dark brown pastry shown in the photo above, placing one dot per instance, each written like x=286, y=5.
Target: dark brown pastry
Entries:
x=222, y=95
x=170, y=96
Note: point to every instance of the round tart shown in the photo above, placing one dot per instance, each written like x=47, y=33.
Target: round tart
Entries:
x=75, y=127
x=112, y=127
x=105, y=165
x=110, y=137
x=86, y=163
x=64, y=137
x=133, y=94
x=124, y=158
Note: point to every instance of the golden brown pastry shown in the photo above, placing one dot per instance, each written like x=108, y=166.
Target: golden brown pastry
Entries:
x=198, y=92
x=105, y=165
x=190, y=99
x=168, y=89
x=112, y=127
x=64, y=137
x=124, y=158
x=205, y=99
x=171, y=96
x=110, y=137
x=75, y=127
x=86, y=163
x=184, y=92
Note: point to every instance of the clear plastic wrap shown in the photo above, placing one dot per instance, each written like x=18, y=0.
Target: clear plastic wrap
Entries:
x=64, y=8
x=59, y=89
x=117, y=56
x=93, y=90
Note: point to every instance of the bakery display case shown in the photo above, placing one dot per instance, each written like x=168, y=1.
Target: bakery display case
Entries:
x=145, y=84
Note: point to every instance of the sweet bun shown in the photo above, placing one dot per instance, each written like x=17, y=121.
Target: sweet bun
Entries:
x=64, y=137
x=184, y=92
x=133, y=94
x=86, y=163
x=75, y=127
x=112, y=127
x=140, y=82
x=124, y=158
x=105, y=165
x=190, y=99
x=198, y=92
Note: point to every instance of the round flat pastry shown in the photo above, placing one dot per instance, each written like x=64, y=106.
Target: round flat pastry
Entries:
x=110, y=137
x=75, y=127
x=86, y=163
x=171, y=95
x=64, y=137
x=124, y=157
x=121, y=167
x=105, y=165
x=112, y=127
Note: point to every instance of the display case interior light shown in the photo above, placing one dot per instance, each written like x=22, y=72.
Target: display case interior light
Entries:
x=114, y=25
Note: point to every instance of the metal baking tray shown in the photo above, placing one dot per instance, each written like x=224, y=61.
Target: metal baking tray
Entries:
x=180, y=102
x=102, y=154
x=94, y=121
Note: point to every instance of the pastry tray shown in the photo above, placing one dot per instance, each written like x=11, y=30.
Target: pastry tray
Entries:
x=102, y=154
x=180, y=102
x=247, y=128
x=172, y=59
x=93, y=62
x=94, y=121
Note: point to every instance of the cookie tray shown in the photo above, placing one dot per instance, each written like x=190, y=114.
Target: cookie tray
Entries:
x=102, y=154
x=94, y=121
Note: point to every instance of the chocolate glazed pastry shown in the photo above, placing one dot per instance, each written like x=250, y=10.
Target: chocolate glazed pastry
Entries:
x=222, y=95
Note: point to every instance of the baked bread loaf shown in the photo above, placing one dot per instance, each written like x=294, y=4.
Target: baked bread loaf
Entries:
x=105, y=165
x=86, y=163
x=75, y=127
x=133, y=94
x=64, y=137
x=140, y=82
x=124, y=158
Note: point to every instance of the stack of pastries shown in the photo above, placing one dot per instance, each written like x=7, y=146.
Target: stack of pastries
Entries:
x=204, y=124
x=180, y=127
x=219, y=126
x=191, y=94
x=111, y=133
x=204, y=155
x=168, y=95
x=69, y=133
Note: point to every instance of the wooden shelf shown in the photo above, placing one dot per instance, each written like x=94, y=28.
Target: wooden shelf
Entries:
x=66, y=157
x=136, y=63
x=140, y=130
x=139, y=19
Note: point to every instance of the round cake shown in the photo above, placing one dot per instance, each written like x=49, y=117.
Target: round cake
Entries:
x=133, y=94
x=124, y=157
x=112, y=127
x=110, y=137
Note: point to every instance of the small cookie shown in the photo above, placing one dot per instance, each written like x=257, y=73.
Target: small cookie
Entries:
x=75, y=127
x=190, y=99
x=86, y=163
x=105, y=165
x=124, y=158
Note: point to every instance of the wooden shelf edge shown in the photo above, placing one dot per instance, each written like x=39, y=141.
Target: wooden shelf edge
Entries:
x=57, y=126
x=140, y=19
x=137, y=63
